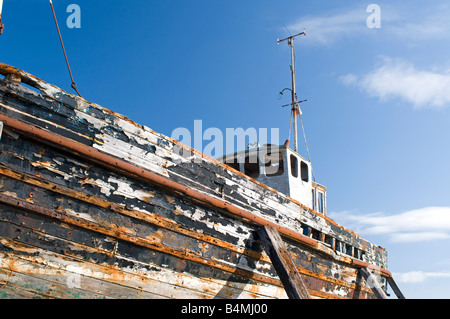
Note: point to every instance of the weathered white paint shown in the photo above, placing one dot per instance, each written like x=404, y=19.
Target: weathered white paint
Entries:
x=286, y=183
x=135, y=155
x=149, y=277
x=288, y=212
x=105, y=188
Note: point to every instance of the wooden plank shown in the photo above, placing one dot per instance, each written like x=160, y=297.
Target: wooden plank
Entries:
x=122, y=276
x=107, y=126
x=289, y=276
x=372, y=282
x=395, y=288
x=217, y=202
x=181, y=260
x=56, y=276
x=184, y=218
x=128, y=204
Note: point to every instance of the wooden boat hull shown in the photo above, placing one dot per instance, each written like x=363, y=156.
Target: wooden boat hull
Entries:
x=93, y=205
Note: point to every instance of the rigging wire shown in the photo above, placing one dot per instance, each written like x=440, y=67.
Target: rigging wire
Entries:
x=287, y=30
x=73, y=85
x=295, y=59
x=306, y=144
x=1, y=25
x=290, y=125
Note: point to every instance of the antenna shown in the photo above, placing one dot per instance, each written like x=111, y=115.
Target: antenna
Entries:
x=1, y=25
x=295, y=104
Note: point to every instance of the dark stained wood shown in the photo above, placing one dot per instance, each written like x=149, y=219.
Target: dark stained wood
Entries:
x=93, y=125
x=64, y=215
x=281, y=260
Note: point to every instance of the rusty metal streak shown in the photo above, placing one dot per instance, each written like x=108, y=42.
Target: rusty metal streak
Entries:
x=140, y=173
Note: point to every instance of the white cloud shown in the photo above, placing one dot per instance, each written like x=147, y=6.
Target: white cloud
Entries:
x=425, y=224
x=329, y=28
x=396, y=78
x=418, y=276
x=418, y=236
x=349, y=79
x=430, y=22
x=408, y=24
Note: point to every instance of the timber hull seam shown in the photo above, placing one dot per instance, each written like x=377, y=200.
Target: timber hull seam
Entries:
x=93, y=205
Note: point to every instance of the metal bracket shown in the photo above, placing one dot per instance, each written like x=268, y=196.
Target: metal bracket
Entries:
x=8, y=132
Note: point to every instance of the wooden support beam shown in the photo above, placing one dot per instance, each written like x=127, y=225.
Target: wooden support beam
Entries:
x=395, y=288
x=284, y=266
x=372, y=282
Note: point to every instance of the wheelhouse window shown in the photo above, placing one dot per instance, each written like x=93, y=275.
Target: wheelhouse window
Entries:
x=306, y=230
x=233, y=162
x=313, y=199
x=251, y=166
x=294, y=165
x=315, y=234
x=274, y=165
x=329, y=241
x=338, y=245
x=304, y=171
x=320, y=202
x=349, y=250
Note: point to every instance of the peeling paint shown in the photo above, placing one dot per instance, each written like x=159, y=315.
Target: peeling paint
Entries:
x=131, y=237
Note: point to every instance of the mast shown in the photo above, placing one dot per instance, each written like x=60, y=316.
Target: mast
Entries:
x=294, y=105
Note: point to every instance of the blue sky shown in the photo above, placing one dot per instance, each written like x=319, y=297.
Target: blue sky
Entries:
x=378, y=111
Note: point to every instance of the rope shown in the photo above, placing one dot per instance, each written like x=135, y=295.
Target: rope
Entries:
x=306, y=144
x=290, y=125
x=73, y=85
x=1, y=25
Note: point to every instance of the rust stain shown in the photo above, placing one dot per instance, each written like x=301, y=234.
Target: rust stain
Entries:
x=149, y=217
x=156, y=240
x=140, y=173
x=170, y=199
x=30, y=198
x=184, y=254
x=120, y=209
x=125, y=234
x=111, y=272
